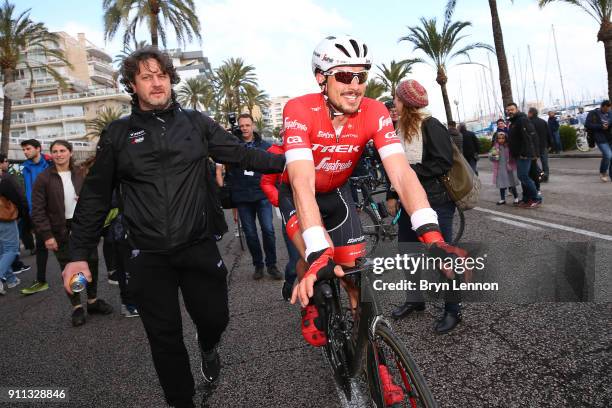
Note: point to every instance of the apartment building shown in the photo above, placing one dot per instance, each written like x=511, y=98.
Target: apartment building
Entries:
x=49, y=112
x=273, y=114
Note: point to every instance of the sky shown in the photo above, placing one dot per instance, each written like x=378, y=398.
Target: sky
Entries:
x=277, y=37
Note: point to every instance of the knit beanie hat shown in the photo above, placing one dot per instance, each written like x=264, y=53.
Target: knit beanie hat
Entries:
x=411, y=93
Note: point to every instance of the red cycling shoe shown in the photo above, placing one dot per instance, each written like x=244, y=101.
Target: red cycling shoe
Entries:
x=312, y=335
x=393, y=394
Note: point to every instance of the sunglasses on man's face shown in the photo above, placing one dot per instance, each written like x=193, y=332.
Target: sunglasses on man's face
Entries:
x=346, y=77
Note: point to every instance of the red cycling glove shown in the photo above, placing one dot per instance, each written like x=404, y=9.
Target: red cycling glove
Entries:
x=321, y=264
x=430, y=235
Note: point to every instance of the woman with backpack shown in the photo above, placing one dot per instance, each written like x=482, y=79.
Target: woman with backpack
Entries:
x=428, y=148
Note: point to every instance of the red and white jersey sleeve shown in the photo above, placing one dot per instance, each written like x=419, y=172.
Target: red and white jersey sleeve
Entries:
x=296, y=131
x=385, y=138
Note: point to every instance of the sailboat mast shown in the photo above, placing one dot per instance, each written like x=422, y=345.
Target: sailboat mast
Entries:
x=535, y=88
x=559, y=65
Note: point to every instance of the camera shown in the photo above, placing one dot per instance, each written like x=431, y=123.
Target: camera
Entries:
x=234, y=128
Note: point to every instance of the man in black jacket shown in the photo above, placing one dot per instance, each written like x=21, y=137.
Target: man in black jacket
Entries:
x=598, y=124
x=252, y=204
x=522, y=138
x=158, y=157
x=471, y=147
x=544, y=139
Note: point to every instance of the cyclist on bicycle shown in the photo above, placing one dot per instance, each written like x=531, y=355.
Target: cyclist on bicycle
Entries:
x=324, y=135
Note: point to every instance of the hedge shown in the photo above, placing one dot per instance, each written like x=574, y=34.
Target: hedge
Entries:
x=568, y=137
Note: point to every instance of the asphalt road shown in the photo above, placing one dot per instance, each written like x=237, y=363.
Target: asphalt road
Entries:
x=533, y=346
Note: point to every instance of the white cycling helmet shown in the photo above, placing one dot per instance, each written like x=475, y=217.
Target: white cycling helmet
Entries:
x=337, y=51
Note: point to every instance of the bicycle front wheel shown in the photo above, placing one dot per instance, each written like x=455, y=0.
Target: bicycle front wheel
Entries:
x=389, y=362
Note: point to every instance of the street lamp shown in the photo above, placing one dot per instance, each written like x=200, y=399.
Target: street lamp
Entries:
x=456, y=102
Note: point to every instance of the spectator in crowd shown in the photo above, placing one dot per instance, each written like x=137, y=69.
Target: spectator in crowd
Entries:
x=158, y=158
x=269, y=185
x=471, y=147
x=54, y=199
x=581, y=116
x=598, y=123
x=544, y=140
x=11, y=208
x=455, y=135
x=504, y=168
x=18, y=266
x=501, y=127
x=553, y=128
x=35, y=164
x=390, y=105
x=430, y=154
x=522, y=137
x=252, y=204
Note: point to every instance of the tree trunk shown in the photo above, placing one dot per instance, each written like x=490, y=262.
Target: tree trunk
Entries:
x=154, y=8
x=6, y=115
x=502, y=62
x=605, y=35
x=447, y=107
x=442, y=79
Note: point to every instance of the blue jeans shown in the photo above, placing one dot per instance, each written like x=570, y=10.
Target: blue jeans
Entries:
x=557, y=141
x=544, y=160
x=522, y=171
x=294, y=256
x=261, y=209
x=9, y=249
x=606, y=158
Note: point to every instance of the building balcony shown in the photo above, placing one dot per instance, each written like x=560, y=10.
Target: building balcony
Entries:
x=89, y=94
x=96, y=64
x=45, y=120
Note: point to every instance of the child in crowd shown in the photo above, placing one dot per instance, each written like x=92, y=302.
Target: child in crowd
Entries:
x=504, y=168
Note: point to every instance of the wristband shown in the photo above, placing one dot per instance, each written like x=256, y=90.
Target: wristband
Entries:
x=422, y=217
x=314, y=238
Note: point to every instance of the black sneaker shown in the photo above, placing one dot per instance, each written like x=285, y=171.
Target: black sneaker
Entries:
x=99, y=307
x=78, y=317
x=274, y=272
x=112, y=278
x=22, y=268
x=210, y=366
x=259, y=272
x=287, y=290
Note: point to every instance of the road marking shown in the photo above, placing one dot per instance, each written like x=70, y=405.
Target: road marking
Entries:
x=516, y=223
x=548, y=224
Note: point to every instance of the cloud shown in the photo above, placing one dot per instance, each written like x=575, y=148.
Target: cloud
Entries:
x=275, y=36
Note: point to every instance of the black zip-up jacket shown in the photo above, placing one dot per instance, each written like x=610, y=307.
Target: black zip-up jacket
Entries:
x=544, y=138
x=522, y=137
x=159, y=160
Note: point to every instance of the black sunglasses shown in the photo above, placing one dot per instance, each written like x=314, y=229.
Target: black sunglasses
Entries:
x=346, y=77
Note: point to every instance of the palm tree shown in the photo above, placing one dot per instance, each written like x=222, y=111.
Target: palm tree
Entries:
x=262, y=127
x=97, y=125
x=195, y=93
x=252, y=97
x=23, y=43
x=374, y=89
x=600, y=10
x=230, y=80
x=391, y=76
x=439, y=47
x=180, y=14
x=502, y=62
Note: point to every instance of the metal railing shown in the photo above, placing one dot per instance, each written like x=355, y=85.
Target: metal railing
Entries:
x=53, y=98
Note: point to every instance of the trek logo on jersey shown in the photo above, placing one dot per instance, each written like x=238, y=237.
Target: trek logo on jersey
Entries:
x=325, y=135
x=391, y=135
x=382, y=122
x=294, y=139
x=137, y=136
x=315, y=108
x=294, y=124
x=338, y=165
x=335, y=148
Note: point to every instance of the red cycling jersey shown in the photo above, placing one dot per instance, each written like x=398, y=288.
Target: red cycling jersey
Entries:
x=309, y=135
